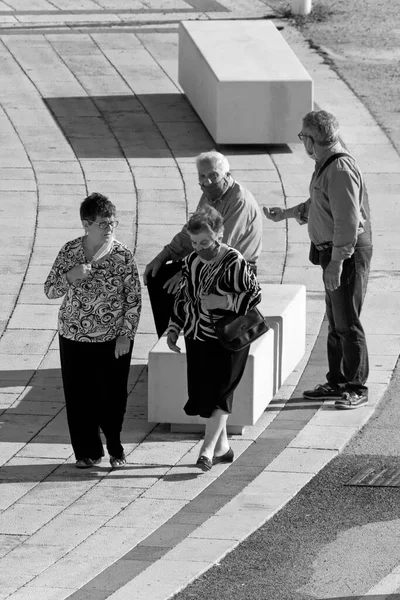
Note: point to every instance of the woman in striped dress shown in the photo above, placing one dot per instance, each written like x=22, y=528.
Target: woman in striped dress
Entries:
x=215, y=278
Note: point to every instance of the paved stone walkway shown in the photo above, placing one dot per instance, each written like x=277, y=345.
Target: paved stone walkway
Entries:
x=89, y=101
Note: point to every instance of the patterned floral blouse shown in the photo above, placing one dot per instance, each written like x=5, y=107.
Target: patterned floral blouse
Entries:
x=104, y=305
x=229, y=275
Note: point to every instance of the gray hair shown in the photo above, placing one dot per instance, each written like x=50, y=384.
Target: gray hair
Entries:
x=216, y=159
x=324, y=126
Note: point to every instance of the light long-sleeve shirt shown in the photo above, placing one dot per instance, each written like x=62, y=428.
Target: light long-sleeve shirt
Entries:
x=242, y=225
x=229, y=275
x=102, y=306
x=335, y=211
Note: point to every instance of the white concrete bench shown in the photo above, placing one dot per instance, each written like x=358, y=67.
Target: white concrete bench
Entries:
x=244, y=81
x=271, y=359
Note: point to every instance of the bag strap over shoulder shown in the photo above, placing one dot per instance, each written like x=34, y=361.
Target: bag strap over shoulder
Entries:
x=330, y=160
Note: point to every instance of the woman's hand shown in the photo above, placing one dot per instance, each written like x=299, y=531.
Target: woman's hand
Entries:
x=212, y=301
x=172, y=338
x=79, y=272
x=122, y=346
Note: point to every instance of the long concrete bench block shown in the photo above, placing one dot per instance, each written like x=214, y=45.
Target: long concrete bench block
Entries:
x=244, y=81
x=167, y=391
x=271, y=360
x=285, y=309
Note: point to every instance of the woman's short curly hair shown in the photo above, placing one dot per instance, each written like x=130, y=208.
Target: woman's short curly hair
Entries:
x=324, y=126
x=206, y=219
x=96, y=205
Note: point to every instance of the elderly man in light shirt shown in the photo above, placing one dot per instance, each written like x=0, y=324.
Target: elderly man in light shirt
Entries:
x=341, y=244
x=242, y=230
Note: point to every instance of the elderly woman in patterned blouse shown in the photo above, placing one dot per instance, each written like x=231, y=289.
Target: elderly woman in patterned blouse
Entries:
x=98, y=318
x=215, y=276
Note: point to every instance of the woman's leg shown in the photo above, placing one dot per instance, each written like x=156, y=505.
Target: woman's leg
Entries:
x=113, y=396
x=222, y=445
x=215, y=429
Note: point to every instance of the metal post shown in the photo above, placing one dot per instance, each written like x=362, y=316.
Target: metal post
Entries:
x=301, y=7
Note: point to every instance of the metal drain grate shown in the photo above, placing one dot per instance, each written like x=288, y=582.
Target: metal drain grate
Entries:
x=377, y=477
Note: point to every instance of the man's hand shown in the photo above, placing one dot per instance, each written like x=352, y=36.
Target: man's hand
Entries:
x=212, y=301
x=332, y=275
x=152, y=268
x=171, y=286
x=275, y=213
x=121, y=346
x=172, y=338
x=79, y=272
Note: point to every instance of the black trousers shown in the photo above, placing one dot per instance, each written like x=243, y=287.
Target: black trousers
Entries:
x=161, y=302
x=347, y=346
x=95, y=389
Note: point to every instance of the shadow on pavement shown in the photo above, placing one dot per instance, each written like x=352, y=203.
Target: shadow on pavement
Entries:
x=129, y=126
x=35, y=410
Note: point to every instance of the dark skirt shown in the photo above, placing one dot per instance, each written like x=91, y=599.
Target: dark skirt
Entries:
x=213, y=374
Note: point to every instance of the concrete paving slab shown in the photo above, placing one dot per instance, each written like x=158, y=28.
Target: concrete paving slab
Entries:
x=42, y=315
x=25, y=520
x=27, y=341
x=29, y=593
x=107, y=501
x=156, y=580
x=11, y=492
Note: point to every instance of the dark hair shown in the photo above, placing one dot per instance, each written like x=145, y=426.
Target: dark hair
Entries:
x=206, y=219
x=324, y=125
x=96, y=205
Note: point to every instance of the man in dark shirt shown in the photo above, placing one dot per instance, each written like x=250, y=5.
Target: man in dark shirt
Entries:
x=341, y=244
x=242, y=230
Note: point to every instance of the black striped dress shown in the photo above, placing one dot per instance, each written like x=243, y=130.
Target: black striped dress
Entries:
x=213, y=372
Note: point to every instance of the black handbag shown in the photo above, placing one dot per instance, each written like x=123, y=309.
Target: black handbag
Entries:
x=236, y=332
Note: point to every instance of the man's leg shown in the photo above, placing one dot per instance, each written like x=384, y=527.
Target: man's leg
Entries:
x=161, y=302
x=335, y=376
x=346, y=304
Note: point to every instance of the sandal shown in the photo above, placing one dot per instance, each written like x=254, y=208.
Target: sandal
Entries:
x=86, y=463
x=117, y=462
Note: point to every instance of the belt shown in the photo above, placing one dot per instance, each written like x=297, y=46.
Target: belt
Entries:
x=323, y=246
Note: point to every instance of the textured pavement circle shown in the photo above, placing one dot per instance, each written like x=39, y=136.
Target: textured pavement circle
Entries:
x=70, y=126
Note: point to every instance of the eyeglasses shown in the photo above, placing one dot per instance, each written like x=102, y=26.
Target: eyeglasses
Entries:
x=106, y=224
x=302, y=135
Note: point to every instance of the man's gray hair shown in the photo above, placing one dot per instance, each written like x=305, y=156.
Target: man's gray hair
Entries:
x=324, y=126
x=216, y=159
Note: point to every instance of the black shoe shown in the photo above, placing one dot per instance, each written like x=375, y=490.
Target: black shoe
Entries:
x=350, y=400
x=225, y=458
x=204, y=463
x=323, y=391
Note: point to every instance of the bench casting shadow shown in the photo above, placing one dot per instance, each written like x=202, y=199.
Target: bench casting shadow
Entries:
x=129, y=126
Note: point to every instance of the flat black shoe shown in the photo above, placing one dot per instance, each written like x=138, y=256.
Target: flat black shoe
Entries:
x=204, y=463
x=225, y=458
